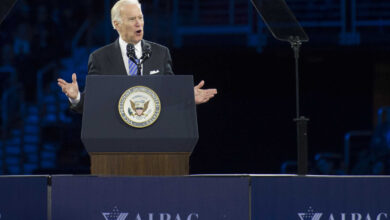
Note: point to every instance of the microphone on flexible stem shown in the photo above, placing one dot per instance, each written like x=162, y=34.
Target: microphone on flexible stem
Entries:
x=146, y=52
x=131, y=55
x=130, y=52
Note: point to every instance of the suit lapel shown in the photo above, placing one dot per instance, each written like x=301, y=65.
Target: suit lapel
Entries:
x=117, y=59
x=146, y=66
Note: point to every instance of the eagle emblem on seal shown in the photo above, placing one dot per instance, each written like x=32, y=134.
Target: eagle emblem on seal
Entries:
x=139, y=108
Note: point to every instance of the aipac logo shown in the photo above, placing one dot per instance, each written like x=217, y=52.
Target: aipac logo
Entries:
x=115, y=214
x=310, y=215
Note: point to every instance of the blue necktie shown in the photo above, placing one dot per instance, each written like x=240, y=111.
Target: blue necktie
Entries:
x=133, y=69
x=133, y=61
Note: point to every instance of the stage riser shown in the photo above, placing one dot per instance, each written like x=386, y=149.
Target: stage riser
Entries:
x=338, y=198
x=154, y=198
x=194, y=197
x=23, y=198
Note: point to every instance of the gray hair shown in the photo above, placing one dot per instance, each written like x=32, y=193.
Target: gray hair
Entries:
x=116, y=9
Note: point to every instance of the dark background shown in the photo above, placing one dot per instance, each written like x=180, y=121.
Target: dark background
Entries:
x=248, y=127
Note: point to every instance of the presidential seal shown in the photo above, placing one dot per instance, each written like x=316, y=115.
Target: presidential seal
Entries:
x=139, y=106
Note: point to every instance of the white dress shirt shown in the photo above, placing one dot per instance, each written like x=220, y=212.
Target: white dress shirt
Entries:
x=138, y=53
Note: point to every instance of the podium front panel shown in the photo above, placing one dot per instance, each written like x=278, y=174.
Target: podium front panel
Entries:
x=175, y=130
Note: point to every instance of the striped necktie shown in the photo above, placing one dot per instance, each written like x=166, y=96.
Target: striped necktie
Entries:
x=133, y=68
x=133, y=61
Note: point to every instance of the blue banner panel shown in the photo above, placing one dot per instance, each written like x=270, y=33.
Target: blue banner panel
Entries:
x=321, y=198
x=23, y=198
x=150, y=198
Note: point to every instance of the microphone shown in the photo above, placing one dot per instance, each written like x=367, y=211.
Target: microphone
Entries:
x=130, y=52
x=146, y=52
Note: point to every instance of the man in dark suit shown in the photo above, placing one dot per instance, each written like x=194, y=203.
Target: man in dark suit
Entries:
x=128, y=55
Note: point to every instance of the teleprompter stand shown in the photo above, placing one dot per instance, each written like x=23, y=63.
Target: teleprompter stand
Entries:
x=284, y=27
x=5, y=8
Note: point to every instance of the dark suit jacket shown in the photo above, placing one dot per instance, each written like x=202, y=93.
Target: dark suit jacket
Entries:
x=108, y=60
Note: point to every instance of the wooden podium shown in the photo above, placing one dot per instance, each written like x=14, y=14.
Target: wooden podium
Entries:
x=161, y=149
x=140, y=164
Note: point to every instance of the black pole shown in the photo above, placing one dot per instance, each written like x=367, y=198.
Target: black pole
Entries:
x=302, y=145
x=296, y=44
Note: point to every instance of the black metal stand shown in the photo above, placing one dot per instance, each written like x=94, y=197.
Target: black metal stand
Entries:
x=302, y=146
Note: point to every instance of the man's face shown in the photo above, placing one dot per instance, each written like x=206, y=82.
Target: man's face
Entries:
x=131, y=29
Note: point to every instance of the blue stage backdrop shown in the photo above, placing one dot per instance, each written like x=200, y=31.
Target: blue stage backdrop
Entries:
x=23, y=198
x=150, y=198
x=320, y=198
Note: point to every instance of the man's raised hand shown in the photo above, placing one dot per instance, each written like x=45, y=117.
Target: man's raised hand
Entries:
x=71, y=90
x=203, y=95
